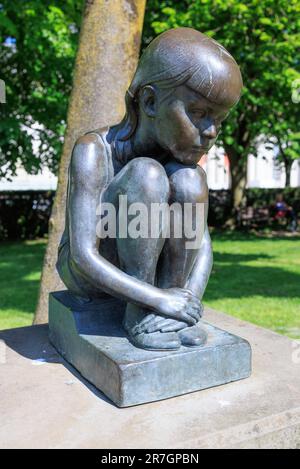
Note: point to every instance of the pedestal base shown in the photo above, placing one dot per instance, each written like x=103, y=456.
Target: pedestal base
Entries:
x=92, y=339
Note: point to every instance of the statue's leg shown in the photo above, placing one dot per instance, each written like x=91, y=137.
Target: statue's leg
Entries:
x=187, y=186
x=142, y=180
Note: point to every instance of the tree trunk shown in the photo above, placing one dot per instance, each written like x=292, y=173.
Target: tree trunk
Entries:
x=238, y=170
x=106, y=60
x=238, y=185
x=288, y=169
x=287, y=161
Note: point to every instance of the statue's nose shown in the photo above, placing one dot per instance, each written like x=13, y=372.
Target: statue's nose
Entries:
x=210, y=131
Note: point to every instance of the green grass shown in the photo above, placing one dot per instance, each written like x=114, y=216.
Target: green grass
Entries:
x=254, y=278
x=20, y=271
x=257, y=279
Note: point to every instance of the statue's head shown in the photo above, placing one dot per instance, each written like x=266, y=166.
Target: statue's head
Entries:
x=184, y=86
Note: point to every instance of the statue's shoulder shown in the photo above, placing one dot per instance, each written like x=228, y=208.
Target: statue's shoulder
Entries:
x=89, y=155
x=92, y=144
x=101, y=133
x=94, y=138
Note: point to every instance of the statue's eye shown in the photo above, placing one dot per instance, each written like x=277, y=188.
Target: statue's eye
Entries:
x=198, y=113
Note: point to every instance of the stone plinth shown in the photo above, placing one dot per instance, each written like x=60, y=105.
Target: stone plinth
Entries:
x=93, y=340
x=45, y=403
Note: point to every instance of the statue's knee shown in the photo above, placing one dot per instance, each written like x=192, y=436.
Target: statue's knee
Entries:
x=187, y=184
x=149, y=177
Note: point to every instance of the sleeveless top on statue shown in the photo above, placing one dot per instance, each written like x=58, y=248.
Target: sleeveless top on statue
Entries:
x=113, y=165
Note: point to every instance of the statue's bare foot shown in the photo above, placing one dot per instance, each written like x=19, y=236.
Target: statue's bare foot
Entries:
x=193, y=336
x=156, y=323
x=156, y=341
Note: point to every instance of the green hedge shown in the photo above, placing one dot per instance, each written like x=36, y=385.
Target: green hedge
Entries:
x=265, y=197
x=25, y=215
x=219, y=209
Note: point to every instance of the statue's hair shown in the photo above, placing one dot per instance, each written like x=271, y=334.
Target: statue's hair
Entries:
x=176, y=57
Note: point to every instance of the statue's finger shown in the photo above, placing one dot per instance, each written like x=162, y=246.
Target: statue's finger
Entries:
x=149, y=322
x=156, y=326
x=194, y=314
x=139, y=328
x=147, y=319
x=189, y=319
x=176, y=326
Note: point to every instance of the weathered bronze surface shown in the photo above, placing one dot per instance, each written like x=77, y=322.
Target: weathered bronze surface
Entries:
x=183, y=88
x=92, y=338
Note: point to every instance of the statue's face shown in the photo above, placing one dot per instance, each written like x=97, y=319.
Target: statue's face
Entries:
x=187, y=124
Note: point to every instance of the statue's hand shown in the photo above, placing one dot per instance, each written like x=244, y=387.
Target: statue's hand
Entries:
x=157, y=323
x=181, y=304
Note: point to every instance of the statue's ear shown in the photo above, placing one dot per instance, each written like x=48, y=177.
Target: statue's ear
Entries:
x=148, y=100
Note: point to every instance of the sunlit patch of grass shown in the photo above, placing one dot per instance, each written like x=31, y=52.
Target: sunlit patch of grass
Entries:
x=20, y=271
x=257, y=279
x=254, y=278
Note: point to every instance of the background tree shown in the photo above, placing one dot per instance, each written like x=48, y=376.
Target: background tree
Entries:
x=264, y=38
x=106, y=60
x=38, y=41
x=288, y=145
x=262, y=35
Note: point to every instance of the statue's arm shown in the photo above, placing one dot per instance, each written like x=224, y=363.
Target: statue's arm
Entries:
x=202, y=268
x=86, y=170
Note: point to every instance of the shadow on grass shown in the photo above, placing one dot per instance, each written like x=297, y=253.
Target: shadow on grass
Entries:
x=246, y=236
x=231, y=279
x=225, y=257
x=20, y=263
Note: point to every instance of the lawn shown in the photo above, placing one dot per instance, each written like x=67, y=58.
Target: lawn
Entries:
x=257, y=279
x=254, y=278
x=20, y=271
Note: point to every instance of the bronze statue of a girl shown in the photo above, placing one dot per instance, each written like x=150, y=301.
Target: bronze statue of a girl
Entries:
x=183, y=88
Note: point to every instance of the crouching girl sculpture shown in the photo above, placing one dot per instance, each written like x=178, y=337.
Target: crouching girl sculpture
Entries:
x=183, y=88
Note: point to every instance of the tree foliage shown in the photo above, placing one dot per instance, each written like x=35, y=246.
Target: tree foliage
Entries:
x=38, y=41
x=264, y=38
x=262, y=35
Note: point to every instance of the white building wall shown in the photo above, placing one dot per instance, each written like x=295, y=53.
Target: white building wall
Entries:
x=262, y=171
x=216, y=166
x=43, y=181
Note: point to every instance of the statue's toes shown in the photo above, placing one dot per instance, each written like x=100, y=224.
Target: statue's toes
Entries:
x=193, y=336
x=156, y=341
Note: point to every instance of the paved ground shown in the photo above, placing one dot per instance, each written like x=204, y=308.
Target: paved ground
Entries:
x=44, y=403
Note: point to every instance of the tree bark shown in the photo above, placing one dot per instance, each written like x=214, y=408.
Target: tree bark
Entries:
x=288, y=170
x=106, y=60
x=238, y=183
x=238, y=171
x=287, y=163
